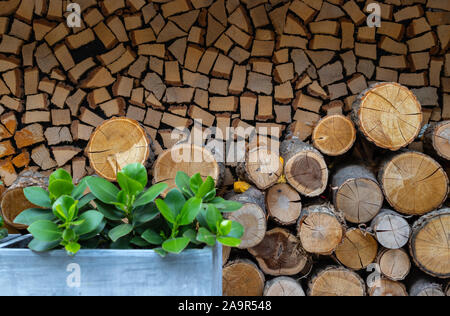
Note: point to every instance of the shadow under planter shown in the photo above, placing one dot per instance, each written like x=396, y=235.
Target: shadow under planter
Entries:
x=196, y=272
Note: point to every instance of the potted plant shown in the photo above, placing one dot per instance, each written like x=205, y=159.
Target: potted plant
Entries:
x=120, y=240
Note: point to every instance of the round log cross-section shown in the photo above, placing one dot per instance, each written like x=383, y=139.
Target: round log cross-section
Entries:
x=189, y=158
x=357, y=250
x=283, y=204
x=283, y=286
x=304, y=167
x=429, y=244
x=242, y=278
x=388, y=114
x=426, y=287
x=386, y=287
x=391, y=230
x=414, y=183
x=334, y=135
x=437, y=139
x=394, y=264
x=116, y=143
x=336, y=281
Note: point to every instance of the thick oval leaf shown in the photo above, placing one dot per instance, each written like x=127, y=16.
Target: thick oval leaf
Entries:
x=118, y=232
x=182, y=182
x=237, y=230
x=89, y=237
x=229, y=241
x=176, y=245
x=78, y=191
x=130, y=186
x=109, y=211
x=195, y=182
x=152, y=237
x=206, y=236
x=60, y=187
x=62, y=207
x=206, y=187
x=31, y=215
x=166, y=211
x=175, y=200
x=72, y=248
x=145, y=214
x=190, y=211
x=60, y=174
x=41, y=246
x=138, y=241
x=103, y=190
x=85, y=200
x=225, y=227
x=46, y=231
x=38, y=196
x=151, y=194
x=226, y=206
x=137, y=172
x=92, y=219
x=192, y=235
x=213, y=216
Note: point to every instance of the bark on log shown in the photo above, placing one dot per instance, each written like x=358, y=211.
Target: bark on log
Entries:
x=252, y=215
x=320, y=229
x=391, y=230
x=14, y=201
x=283, y=204
x=357, y=250
x=304, y=167
x=242, y=278
x=386, y=287
x=429, y=244
x=425, y=287
x=356, y=193
x=334, y=135
x=116, y=143
x=283, y=286
x=336, y=281
x=225, y=254
x=388, y=114
x=394, y=264
x=437, y=139
x=280, y=253
x=413, y=183
x=262, y=167
x=189, y=158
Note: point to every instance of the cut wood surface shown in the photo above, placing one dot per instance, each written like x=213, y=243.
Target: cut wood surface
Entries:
x=386, y=287
x=429, y=243
x=280, y=253
x=413, y=183
x=389, y=115
x=336, y=281
x=394, y=263
x=283, y=204
x=356, y=193
x=242, y=278
x=357, y=250
x=283, y=286
x=334, y=135
x=426, y=287
x=391, y=229
x=437, y=138
x=116, y=143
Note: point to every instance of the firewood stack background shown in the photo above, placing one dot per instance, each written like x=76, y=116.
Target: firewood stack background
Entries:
x=365, y=170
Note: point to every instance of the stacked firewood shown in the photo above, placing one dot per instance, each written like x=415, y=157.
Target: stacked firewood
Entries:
x=359, y=166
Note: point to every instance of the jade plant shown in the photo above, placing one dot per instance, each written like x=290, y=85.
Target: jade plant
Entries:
x=65, y=218
x=127, y=215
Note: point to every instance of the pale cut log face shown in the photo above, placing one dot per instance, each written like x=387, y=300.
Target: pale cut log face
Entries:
x=441, y=140
x=115, y=144
x=390, y=116
x=283, y=203
x=386, y=287
x=357, y=250
x=414, y=184
x=431, y=246
x=337, y=282
x=253, y=218
x=334, y=135
x=320, y=233
x=242, y=279
x=283, y=286
x=393, y=231
x=395, y=264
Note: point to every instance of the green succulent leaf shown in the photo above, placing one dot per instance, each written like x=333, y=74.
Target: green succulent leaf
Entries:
x=140, y=242
x=78, y=191
x=195, y=182
x=190, y=211
x=41, y=246
x=176, y=245
x=137, y=172
x=60, y=174
x=129, y=185
x=31, y=215
x=192, y=235
x=144, y=214
x=229, y=241
x=46, y=231
x=206, y=236
x=120, y=231
x=182, y=181
x=103, y=190
x=63, y=208
x=109, y=211
x=85, y=200
x=58, y=188
x=225, y=227
x=92, y=219
x=151, y=194
x=68, y=235
x=152, y=237
x=38, y=196
x=73, y=247
x=226, y=206
x=206, y=187
x=213, y=217
x=166, y=211
x=237, y=230
x=175, y=200
x=95, y=232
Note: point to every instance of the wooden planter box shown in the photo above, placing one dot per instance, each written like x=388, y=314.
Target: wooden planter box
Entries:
x=108, y=272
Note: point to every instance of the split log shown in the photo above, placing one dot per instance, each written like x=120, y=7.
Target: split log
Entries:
x=283, y=286
x=388, y=114
x=437, y=139
x=116, y=143
x=283, y=204
x=189, y=158
x=262, y=167
x=357, y=250
x=356, y=193
x=242, y=278
x=391, y=230
x=304, y=167
x=413, y=183
x=320, y=229
x=336, y=281
x=252, y=216
x=386, y=287
x=334, y=135
x=394, y=264
x=280, y=253
x=425, y=287
x=14, y=201
x=429, y=243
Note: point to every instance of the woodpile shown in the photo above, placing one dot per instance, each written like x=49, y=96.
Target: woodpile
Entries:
x=345, y=139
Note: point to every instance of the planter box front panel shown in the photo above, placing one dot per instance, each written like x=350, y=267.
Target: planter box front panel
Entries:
x=110, y=273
